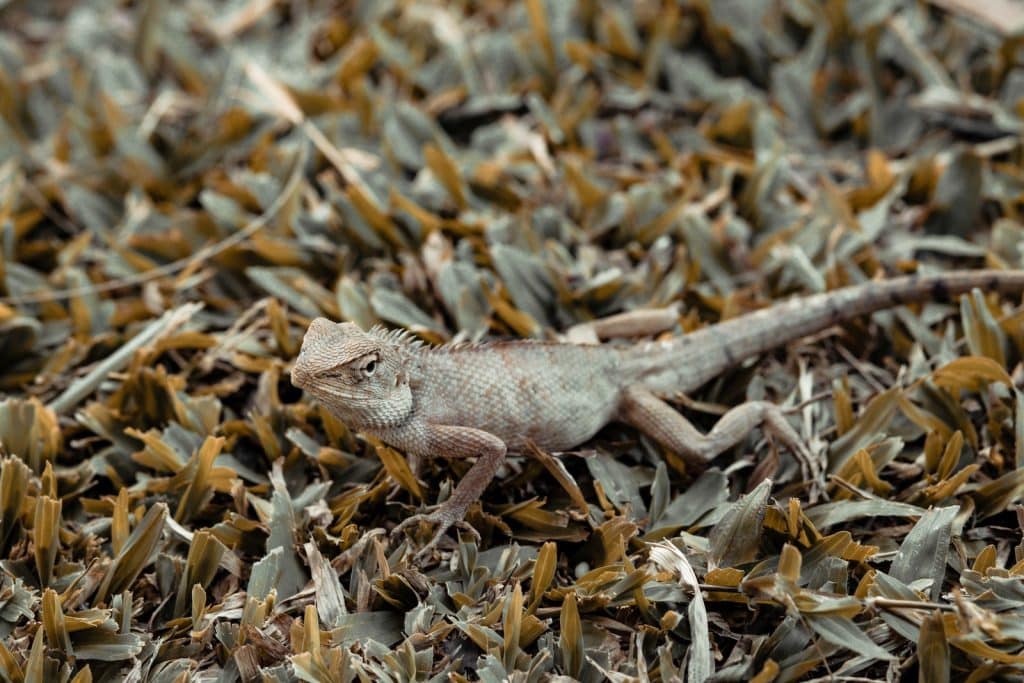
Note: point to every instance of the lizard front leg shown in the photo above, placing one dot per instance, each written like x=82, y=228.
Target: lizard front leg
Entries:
x=459, y=442
x=661, y=422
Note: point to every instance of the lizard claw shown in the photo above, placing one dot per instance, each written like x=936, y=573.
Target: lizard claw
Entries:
x=445, y=518
x=810, y=465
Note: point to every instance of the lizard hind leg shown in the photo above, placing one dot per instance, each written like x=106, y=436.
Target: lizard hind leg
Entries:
x=648, y=413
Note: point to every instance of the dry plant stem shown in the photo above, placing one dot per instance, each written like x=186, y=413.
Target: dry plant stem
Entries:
x=891, y=604
x=877, y=603
x=161, y=327
x=168, y=269
x=486, y=400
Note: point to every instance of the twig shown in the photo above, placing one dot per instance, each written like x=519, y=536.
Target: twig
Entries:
x=168, y=269
x=156, y=329
x=892, y=603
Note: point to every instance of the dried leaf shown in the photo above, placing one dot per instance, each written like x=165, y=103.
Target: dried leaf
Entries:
x=933, y=650
x=923, y=553
x=843, y=632
x=570, y=640
x=737, y=536
x=970, y=373
x=136, y=553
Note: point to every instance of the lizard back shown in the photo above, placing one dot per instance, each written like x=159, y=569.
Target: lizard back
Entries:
x=556, y=395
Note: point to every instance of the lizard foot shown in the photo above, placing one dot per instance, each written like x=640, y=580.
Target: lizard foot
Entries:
x=445, y=517
x=810, y=466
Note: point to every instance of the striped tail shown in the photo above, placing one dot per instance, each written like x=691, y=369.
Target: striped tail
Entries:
x=692, y=360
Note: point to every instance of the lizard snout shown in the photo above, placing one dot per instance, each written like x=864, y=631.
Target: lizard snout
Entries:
x=301, y=373
x=302, y=368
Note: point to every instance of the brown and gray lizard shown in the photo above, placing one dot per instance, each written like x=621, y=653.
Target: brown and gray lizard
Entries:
x=486, y=400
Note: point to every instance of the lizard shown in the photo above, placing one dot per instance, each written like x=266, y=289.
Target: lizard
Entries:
x=488, y=399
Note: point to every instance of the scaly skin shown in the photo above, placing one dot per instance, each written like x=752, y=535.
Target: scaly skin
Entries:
x=486, y=400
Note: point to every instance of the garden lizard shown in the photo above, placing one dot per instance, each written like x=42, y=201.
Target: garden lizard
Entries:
x=488, y=399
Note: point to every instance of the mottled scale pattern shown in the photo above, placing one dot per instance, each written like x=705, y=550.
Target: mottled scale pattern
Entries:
x=557, y=396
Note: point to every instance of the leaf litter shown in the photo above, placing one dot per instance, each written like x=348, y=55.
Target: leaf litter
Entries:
x=184, y=186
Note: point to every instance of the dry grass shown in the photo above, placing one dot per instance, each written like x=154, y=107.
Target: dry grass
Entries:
x=185, y=185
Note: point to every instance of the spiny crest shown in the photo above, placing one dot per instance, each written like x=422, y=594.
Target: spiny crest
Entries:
x=461, y=346
x=405, y=339
x=398, y=337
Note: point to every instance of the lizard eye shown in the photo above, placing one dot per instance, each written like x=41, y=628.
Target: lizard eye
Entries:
x=370, y=367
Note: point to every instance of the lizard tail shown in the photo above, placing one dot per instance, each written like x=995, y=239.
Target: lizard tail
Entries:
x=687, y=363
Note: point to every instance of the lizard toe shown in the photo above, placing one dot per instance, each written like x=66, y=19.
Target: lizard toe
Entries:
x=444, y=518
x=470, y=529
x=414, y=521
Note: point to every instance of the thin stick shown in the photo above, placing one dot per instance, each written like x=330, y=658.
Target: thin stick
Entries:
x=161, y=327
x=168, y=269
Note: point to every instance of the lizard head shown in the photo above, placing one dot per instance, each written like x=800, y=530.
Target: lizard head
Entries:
x=357, y=375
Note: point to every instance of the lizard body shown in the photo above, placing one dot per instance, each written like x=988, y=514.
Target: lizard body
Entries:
x=489, y=399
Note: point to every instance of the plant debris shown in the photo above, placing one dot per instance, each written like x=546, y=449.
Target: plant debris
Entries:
x=185, y=186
